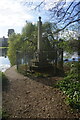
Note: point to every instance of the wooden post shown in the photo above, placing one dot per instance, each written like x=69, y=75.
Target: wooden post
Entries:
x=55, y=64
x=61, y=55
x=17, y=59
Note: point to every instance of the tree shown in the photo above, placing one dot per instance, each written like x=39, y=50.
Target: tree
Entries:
x=22, y=44
x=47, y=36
x=29, y=33
x=26, y=43
x=14, y=44
x=61, y=12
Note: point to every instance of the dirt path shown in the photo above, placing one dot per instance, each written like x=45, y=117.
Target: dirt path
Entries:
x=34, y=98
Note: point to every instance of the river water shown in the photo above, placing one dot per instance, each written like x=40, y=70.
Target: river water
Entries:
x=4, y=61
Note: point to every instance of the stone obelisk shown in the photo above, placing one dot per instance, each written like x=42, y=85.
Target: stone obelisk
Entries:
x=39, y=43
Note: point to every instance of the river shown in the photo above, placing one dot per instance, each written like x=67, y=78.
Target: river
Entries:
x=4, y=61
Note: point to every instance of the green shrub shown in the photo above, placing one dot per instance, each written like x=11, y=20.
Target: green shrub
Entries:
x=70, y=85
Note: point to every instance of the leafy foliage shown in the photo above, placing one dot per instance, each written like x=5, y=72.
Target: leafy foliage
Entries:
x=26, y=42
x=14, y=44
x=71, y=86
x=22, y=43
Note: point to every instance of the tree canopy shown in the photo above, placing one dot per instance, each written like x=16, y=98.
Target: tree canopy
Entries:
x=26, y=42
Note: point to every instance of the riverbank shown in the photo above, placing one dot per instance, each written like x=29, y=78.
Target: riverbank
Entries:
x=34, y=97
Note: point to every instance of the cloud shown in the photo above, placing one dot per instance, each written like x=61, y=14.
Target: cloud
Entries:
x=13, y=14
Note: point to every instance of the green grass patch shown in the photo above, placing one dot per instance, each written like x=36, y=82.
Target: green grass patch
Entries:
x=3, y=47
x=4, y=81
x=4, y=114
x=0, y=112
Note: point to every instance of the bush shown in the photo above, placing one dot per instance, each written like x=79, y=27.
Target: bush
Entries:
x=71, y=86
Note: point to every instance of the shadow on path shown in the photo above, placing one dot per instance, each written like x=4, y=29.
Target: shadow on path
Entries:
x=49, y=81
x=5, y=83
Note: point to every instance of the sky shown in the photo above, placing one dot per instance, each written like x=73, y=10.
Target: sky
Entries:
x=14, y=14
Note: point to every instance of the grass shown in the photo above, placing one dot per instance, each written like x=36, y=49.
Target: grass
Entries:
x=3, y=47
x=0, y=112
x=3, y=114
x=4, y=81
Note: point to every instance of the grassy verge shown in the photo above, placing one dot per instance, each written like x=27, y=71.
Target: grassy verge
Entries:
x=0, y=112
x=3, y=47
x=3, y=81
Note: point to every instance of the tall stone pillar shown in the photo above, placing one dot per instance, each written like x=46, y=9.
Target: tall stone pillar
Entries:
x=39, y=63
x=39, y=44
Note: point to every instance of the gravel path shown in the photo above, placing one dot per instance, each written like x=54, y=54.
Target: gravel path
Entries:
x=34, y=98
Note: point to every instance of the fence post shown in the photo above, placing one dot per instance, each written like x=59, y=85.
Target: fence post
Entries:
x=17, y=59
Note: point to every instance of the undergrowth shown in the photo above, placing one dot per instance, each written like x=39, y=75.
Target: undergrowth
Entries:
x=70, y=85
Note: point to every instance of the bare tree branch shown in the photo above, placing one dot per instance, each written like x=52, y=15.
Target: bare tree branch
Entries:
x=67, y=25
x=73, y=16
x=39, y=4
x=62, y=12
x=66, y=11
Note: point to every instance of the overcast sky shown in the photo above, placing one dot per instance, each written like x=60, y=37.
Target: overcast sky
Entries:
x=13, y=15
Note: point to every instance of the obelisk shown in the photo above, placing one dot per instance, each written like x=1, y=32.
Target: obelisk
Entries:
x=39, y=43
x=39, y=35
